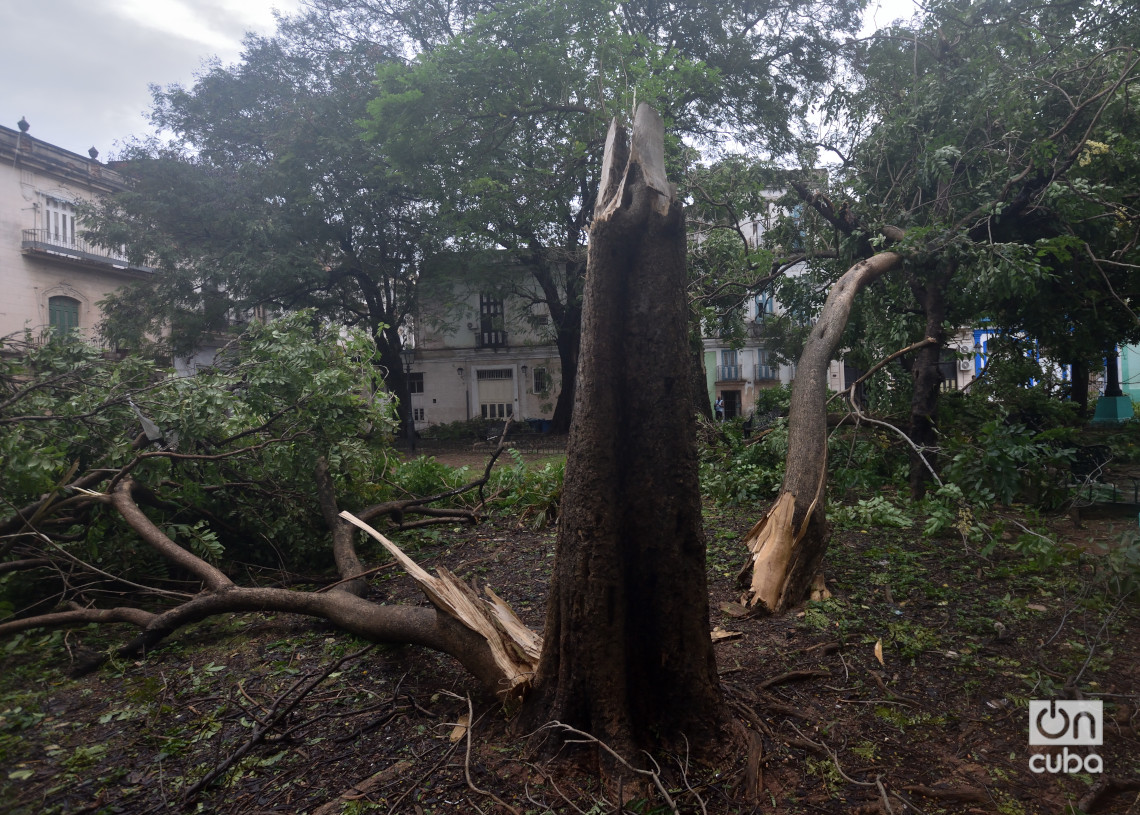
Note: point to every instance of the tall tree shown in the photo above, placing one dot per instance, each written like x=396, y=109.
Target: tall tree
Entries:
x=974, y=157
x=500, y=118
x=265, y=197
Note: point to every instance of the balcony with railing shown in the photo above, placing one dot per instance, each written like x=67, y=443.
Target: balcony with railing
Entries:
x=741, y=373
x=47, y=242
x=490, y=339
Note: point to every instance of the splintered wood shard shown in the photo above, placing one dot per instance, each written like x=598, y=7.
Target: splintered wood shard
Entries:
x=645, y=153
x=514, y=647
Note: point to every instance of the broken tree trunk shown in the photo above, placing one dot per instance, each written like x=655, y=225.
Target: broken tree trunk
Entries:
x=788, y=543
x=627, y=655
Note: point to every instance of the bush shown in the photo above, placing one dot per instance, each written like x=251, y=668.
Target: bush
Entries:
x=743, y=471
x=424, y=476
x=465, y=429
x=530, y=495
x=246, y=438
x=1005, y=462
x=774, y=400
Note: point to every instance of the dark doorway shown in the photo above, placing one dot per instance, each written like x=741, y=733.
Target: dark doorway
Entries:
x=731, y=404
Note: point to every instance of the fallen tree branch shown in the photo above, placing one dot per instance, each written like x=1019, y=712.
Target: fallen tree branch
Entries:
x=467, y=763
x=863, y=417
x=212, y=577
x=514, y=648
x=791, y=676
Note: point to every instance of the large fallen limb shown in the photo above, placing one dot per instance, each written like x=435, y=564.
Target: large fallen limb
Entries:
x=486, y=638
x=514, y=648
x=348, y=564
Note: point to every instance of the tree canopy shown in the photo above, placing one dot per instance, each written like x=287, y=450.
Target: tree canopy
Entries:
x=504, y=120
x=266, y=199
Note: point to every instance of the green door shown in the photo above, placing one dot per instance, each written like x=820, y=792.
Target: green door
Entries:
x=63, y=315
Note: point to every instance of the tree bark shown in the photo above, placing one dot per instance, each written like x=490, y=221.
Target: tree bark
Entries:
x=788, y=543
x=627, y=654
x=928, y=377
x=1079, y=385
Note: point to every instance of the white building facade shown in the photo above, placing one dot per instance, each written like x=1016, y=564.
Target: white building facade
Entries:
x=483, y=351
x=50, y=278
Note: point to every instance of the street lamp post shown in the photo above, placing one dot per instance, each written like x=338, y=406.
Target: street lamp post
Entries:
x=409, y=356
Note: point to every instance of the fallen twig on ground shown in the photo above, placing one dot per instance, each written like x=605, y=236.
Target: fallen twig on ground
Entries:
x=276, y=713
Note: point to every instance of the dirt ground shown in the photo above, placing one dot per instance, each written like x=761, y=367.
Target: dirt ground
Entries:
x=938, y=724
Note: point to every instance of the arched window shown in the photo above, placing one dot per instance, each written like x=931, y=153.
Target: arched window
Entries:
x=63, y=314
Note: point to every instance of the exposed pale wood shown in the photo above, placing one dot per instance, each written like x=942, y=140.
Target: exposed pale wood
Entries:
x=613, y=168
x=513, y=627
x=510, y=649
x=460, y=729
x=771, y=542
x=720, y=635
x=647, y=149
x=647, y=153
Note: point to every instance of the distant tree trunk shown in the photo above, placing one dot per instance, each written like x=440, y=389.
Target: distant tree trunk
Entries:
x=565, y=309
x=927, y=377
x=788, y=543
x=1079, y=385
x=701, y=403
x=569, y=339
x=395, y=378
x=627, y=654
x=1112, y=373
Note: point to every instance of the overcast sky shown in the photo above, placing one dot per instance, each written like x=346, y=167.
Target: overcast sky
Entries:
x=79, y=70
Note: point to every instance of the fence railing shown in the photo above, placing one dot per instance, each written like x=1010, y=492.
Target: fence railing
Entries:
x=490, y=339
x=736, y=373
x=45, y=240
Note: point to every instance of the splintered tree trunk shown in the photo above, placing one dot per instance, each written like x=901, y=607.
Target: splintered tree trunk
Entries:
x=627, y=655
x=788, y=543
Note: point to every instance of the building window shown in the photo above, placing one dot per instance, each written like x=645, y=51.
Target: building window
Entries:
x=416, y=382
x=63, y=314
x=728, y=369
x=495, y=373
x=418, y=414
x=59, y=222
x=492, y=333
x=766, y=367
x=541, y=380
x=497, y=410
x=765, y=306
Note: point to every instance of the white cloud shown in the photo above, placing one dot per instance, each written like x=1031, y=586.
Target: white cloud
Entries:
x=79, y=70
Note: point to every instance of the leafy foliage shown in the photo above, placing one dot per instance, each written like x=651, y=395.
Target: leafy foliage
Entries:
x=532, y=495
x=1004, y=461
x=745, y=471
x=875, y=511
x=231, y=474
x=264, y=199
